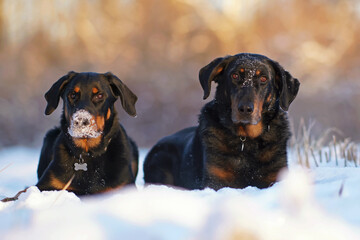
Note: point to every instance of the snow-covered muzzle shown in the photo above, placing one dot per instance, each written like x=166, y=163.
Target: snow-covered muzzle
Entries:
x=83, y=125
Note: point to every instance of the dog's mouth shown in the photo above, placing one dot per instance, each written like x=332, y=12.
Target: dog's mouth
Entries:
x=83, y=125
x=246, y=112
x=238, y=119
x=246, y=121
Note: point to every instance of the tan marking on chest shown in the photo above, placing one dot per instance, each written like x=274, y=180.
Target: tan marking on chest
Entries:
x=254, y=131
x=251, y=131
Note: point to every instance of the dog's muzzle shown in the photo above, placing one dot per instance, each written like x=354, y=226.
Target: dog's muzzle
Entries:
x=83, y=125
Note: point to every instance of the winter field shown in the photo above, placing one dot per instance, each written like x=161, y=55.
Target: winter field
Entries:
x=308, y=203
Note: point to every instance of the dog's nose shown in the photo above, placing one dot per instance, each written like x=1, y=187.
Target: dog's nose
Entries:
x=246, y=108
x=81, y=122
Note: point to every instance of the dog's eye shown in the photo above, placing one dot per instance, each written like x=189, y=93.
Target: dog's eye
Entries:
x=73, y=95
x=263, y=79
x=99, y=97
x=235, y=76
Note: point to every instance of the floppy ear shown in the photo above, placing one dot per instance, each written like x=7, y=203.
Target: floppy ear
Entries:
x=210, y=72
x=53, y=95
x=119, y=89
x=287, y=85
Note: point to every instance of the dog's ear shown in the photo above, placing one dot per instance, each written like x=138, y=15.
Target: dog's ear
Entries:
x=53, y=95
x=287, y=85
x=210, y=73
x=119, y=89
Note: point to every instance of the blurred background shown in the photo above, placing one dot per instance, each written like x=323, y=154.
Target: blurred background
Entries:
x=157, y=48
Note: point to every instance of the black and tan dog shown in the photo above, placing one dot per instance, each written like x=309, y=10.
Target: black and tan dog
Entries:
x=90, y=152
x=242, y=134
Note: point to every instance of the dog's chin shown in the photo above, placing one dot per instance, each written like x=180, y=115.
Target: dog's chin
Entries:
x=244, y=122
x=86, y=137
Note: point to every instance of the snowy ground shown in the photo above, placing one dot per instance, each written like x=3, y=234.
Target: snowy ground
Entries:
x=321, y=203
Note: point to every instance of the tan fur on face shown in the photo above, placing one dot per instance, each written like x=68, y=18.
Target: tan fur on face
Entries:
x=269, y=98
x=95, y=90
x=100, y=122
x=258, y=107
x=253, y=130
x=108, y=114
x=256, y=114
x=76, y=89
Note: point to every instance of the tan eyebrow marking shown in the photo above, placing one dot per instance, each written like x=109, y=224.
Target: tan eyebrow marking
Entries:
x=95, y=90
x=76, y=89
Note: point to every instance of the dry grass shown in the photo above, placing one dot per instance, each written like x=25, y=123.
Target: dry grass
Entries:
x=158, y=47
x=16, y=197
x=5, y=167
x=328, y=147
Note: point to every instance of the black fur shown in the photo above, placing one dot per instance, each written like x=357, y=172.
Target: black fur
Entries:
x=112, y=158
x=242, y=134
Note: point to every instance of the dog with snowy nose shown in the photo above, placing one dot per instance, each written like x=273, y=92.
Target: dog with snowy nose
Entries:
x=242, y=134
x=90, y=152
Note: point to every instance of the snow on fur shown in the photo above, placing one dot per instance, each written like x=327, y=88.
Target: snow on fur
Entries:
x=78, y=130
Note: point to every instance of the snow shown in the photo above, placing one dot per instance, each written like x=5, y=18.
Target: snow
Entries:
x=79, y=130
x=316, y=203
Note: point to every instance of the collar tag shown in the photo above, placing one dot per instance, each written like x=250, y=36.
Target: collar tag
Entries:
x=80, y=166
